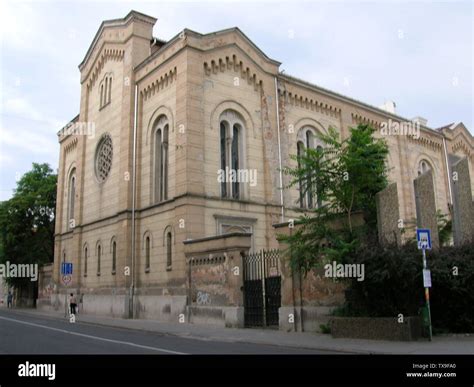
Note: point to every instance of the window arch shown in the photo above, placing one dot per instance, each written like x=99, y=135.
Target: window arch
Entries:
x=232, y=157
x=71, y=199
x=424, y=166
x=105, y=90
x=160, y=159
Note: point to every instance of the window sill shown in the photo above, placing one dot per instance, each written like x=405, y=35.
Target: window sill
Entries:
x=169, y=268
x=147, y=270
x=113, y=272
x=98, y=274
x=104, y=106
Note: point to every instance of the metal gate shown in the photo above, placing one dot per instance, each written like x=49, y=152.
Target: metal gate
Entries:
x=262, y=288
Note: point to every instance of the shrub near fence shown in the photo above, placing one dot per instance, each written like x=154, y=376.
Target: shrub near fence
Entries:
x=394, y=284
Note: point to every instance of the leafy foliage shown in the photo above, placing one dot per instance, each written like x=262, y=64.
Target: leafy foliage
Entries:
x=27, y=220
x=345, y=175
x=394, y=284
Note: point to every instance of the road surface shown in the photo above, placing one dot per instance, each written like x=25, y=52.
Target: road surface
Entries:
x=22, y=333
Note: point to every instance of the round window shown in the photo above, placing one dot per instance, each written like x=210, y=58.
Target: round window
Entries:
x=103, y=158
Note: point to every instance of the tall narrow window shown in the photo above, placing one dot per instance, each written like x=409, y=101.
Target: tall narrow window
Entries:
x=160, y=159
x=64, y=256
x=318, y=195
x=231, y=154
x=223, y=159
x=110, y=90
x=235, y=161
x=147, y=254
x=85, y=262
x=300, y=153
x=158, y=169
x=114, y=256
x=309, y=144
x=71, y=201
x=169, y=258
x=101, y=95
x=164, y=164
x=99, y=252
x=308, y=188
x=106, y=91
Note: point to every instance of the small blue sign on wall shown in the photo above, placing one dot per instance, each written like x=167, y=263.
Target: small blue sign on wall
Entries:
x=66, y=268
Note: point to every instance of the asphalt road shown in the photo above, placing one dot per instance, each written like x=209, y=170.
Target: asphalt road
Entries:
x=27, y=334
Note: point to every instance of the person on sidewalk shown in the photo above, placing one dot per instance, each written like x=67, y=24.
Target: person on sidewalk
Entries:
x=72, y=304
x=10, y=300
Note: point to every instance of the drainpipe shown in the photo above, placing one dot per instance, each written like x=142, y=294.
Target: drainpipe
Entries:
x=282, y=220
x=134, y=182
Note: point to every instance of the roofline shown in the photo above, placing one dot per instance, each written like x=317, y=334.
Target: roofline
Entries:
x=344, y=98
x=188, y=31
x=69, y=123
x=115, y=22
x=237, y=29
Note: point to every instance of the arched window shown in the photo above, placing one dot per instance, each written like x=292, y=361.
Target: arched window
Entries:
x=106, y=91
x=85, y=261
x=223, y=157
x=71, y=199
x=308, y=190
x=161, y=159
x=147, y=254
x=231, y=153
x=423, y=166
x=99, y=253
x=114, y=257
x=169, y=251
x=64, y=255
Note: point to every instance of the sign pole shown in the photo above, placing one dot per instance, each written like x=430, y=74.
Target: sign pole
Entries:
x=427, y=296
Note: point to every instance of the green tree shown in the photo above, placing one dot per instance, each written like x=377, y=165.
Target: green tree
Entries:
x=345, y=175
x=27, y=221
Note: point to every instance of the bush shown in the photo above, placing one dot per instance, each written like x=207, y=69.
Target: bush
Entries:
x=394, y=284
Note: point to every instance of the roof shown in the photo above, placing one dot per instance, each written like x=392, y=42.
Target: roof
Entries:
x=117, y=22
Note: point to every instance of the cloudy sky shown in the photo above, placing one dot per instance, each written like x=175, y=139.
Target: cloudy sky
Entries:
x=418, y=54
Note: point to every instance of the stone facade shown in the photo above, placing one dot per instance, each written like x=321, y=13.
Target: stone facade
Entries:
x=124, y=240
x=426, y=206
x=388, y=215
x=463, y=206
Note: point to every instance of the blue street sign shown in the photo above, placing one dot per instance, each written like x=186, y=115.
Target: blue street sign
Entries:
x=66, y=268
x=423, y=237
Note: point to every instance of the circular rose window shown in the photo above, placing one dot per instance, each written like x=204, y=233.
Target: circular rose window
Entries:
x=103, y=158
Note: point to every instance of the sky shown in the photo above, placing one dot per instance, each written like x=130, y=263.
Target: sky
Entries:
x=418, y=54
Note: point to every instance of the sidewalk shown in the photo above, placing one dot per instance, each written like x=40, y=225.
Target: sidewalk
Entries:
x=456, y=344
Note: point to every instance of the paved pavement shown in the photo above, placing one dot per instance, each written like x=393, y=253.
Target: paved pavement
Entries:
x=212, y=339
